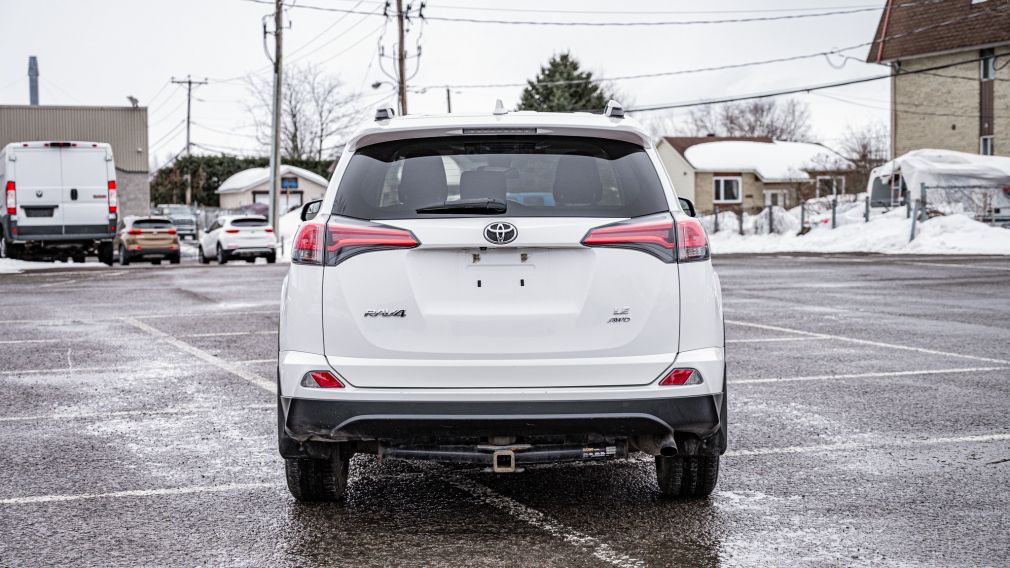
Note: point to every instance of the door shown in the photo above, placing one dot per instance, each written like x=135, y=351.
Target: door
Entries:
x=85, y=192
x=39, y=188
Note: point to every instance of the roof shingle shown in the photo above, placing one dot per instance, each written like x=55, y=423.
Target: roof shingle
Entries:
x=920, y=27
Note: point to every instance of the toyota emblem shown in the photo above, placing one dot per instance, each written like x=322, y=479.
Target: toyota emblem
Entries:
x=500, y=233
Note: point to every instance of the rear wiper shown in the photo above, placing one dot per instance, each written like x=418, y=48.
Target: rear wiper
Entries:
x=479, y=206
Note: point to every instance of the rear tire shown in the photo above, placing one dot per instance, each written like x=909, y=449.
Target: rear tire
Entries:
x=79, y=258
x=7, y=249
x=105, y=254
x=313, y=480
x=124, y=258
x=688, y=476
x=156, y=261
x=271, y=258
x=202, y=257
x=222, y=256
x=175, y=259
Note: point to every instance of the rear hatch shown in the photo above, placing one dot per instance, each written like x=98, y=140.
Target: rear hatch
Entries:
x=85, y=192
x=251, y=232
x=496, y=289
x=153, y=234
x=39, y=190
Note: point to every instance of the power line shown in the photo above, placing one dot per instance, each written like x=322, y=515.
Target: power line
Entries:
x=651, y=23
x=796, y=90
x=171, y=132
x=648, y=12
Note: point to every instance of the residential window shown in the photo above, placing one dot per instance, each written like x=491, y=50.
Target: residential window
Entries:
x=726, y=190
x=987, y=64
x=985, y=146
x=830, y=185
x=289, y=183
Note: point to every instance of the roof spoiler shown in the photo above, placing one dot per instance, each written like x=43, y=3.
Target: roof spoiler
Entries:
x=384, y=113
x=614, y=109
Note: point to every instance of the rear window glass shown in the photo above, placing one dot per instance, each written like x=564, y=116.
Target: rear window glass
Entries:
x=152, y=224
x=536, y=176
x=249, y=223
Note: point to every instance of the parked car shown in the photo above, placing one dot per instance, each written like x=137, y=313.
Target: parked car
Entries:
x=60, y=201
x=431, y=311
x=183, y=218
x=246, y=237
x=148, y=239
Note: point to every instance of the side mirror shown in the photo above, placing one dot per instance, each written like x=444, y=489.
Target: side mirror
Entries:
x=688, y=207
x=311, y=209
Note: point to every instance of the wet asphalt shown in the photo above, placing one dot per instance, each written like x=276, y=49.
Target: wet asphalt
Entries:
x=869, y=426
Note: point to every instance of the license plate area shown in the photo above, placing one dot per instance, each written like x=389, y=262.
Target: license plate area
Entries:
x=500, y=270
x=37, y=211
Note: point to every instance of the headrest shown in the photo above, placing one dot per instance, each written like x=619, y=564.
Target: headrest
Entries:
x=577, y=181
x=482, y=183
x=422, y=182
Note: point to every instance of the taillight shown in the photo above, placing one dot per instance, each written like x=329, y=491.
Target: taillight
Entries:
x=308, y=245
x=134, y=232
x=340, y=238
x=681, y=377
x=172, y=231
x=231, y=231
x=692, y=242
x=113, y=198
x=269, y=229
x=653, y=234
x=324, y=379
x=12, y=200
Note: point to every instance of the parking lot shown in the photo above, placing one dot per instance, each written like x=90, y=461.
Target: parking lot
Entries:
x=869, y=404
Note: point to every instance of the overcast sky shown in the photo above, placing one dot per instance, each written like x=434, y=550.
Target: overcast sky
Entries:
x=96, y=52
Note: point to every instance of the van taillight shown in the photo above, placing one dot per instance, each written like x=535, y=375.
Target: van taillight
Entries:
x=339, y=239
x=113, y=198
x=670, y=240
x=12, y=200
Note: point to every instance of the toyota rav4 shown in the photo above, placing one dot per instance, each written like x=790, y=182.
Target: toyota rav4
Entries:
x=501, y=290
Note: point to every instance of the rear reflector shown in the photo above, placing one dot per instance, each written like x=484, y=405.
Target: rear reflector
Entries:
x=113, y=198
x=12, y=202
x=321, y=379
x=681, y=377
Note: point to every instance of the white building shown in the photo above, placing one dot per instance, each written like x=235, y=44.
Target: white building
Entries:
x=253, y=186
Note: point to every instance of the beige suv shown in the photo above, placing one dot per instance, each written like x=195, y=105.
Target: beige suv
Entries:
x=147, y=239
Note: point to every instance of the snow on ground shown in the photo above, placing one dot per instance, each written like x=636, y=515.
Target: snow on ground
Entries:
x=886, y=233
x=12, y=266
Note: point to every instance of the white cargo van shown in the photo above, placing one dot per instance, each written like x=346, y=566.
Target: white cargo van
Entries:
x=59, y=200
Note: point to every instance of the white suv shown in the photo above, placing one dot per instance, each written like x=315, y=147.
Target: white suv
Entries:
x=501, y=290
x=247, y=237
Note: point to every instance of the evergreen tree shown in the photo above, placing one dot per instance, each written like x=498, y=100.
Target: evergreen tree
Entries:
x=561, y=86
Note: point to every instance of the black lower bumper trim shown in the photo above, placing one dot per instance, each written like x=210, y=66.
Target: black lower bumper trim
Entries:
x=308, y=419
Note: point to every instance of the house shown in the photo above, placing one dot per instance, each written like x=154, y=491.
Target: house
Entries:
x=950, y=85
x=124, y=128
x=752, y=172
x=298, y=186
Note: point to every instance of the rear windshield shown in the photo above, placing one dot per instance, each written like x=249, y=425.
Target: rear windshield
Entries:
x=249, y=223
x=152, y=224
x=536, y=176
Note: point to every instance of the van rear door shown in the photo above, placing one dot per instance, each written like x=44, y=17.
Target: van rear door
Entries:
x=39, y=188
x=85, y=192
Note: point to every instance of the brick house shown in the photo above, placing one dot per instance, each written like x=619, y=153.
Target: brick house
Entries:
x=751, y=172
x=950, y=79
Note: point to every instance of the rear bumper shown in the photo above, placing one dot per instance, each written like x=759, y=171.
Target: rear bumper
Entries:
x=441, y=421
x=250, y=251
x=153, y=253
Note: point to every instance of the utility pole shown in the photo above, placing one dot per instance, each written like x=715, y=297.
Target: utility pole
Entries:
x=189, y=82
x=448, y=100
x=275, y=138
x=401, y=59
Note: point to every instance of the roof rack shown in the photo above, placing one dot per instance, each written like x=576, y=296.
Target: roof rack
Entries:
x=614, y=109
x=384, y=113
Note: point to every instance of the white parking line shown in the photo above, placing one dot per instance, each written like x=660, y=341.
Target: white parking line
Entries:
x=18, y=341
x=229, y=333
x=535, y=518
x=773, y=339
x=951, y=264
x=866, y=341
x=229, y=366
x=129, y=413
x=180, y=315
x=869, y=375
x=848, y=446
x=138, y=493
x=125, y=368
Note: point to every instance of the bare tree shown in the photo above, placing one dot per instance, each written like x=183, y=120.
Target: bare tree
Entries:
x=787, y=119
x=315, y=112
x=866, y=147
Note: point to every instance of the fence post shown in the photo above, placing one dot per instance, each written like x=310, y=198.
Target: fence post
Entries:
x=740, y=213
x=922, y=207
x=914, y=220
x=771, y=219
x=866, y=212
x=908, y=207
x=716, y=209
x=834, y=207
x=803, y=214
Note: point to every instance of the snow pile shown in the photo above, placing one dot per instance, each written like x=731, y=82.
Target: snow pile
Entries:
x=784, y=222
x=287, y=227
x=13, y=266
x=886, y=233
